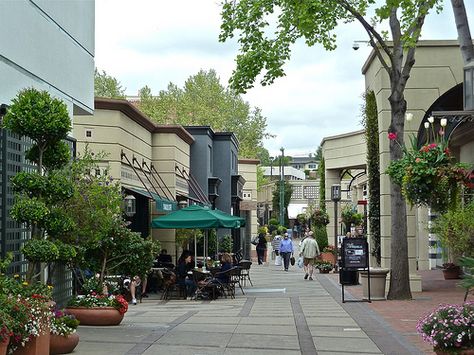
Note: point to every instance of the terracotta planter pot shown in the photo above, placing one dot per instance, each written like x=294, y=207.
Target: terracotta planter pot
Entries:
x=60, y=344
x=450, y=351
x=4, y=346
x=330, y=257
x=37, y=346
x=96, y=315
x=452, y=273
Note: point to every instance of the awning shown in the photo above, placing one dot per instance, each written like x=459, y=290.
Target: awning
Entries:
x=162, y=204
x=294, y=209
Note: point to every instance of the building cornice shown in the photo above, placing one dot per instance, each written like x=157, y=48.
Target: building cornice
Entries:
x=249, y=161
x=344, y=135
x=420, y=44
x=129, y=110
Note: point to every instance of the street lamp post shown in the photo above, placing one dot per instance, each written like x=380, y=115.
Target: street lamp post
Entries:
x=282, y=188
x=335, y=197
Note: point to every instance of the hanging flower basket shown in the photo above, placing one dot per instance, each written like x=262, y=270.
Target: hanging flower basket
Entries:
x=429, y=176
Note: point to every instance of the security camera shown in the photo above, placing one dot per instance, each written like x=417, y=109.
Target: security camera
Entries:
x=355, y=46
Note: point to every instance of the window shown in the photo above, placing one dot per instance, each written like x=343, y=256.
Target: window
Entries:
x=247, y=195
x=88, y=133
x=312, y=166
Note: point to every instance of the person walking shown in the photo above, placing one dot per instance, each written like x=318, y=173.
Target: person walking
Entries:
x=261, y=248
x=286, y=250
x=309, y=250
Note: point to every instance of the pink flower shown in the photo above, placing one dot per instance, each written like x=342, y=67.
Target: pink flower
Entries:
x=417, y=160
x=441, y=132
x=392, y=136
x=432, y=145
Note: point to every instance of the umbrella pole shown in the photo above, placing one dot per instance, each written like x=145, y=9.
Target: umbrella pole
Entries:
x=195, y=251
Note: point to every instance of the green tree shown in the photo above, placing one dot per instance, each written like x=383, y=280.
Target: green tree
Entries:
x=204, y=101
x=315, y=21
x=39, y=194
x=107, y=86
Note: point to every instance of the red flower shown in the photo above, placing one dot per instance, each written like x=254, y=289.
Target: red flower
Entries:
x=432, y=145
x=392, y=136
x=447, y=151
x=425, y=149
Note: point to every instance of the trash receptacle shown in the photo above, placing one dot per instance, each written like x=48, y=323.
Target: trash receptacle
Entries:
x=348, y=277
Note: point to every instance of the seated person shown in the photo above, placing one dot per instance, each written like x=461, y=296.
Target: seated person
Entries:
x=134, y=284
x=164, y=259
x=185, y=264
x=226, y=264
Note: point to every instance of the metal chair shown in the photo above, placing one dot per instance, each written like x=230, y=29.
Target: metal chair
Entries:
x=245, y=272
x=170, y=285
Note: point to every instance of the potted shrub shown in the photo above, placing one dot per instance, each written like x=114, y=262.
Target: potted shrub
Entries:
x=63, y=338
x=6, y=325
x=96, y=308
x=455, y=230
x=449, y=328
x=324, y=267
x=329, y=254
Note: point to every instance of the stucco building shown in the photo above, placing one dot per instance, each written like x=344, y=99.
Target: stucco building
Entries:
x=435, y=85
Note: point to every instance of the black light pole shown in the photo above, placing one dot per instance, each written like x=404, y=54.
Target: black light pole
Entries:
x=335, y=197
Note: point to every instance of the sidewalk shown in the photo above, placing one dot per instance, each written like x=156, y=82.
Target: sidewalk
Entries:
x=281, y=314
x=403, y=316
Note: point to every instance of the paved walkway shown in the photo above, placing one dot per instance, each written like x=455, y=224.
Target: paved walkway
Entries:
x=280, y=314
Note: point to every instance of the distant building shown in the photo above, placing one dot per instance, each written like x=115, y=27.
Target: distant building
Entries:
x=305, y=163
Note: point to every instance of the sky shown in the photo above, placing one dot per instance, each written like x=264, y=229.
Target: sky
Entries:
x=155, y=42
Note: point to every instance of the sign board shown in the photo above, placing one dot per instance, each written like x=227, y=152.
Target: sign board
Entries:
x=355, y=253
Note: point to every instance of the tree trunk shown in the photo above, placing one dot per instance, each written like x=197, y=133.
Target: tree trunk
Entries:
x=399, y=273
x=464, y=34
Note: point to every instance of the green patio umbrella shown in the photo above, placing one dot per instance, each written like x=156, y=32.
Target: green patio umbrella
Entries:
x=196, y=216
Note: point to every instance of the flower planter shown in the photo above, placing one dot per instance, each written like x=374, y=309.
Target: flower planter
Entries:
x=452, y=273
x=60, y=344
x=324, y=271
x=37, y=346
x=4, y=346
x=451, y=351
x=330, y=257
x=96, y=315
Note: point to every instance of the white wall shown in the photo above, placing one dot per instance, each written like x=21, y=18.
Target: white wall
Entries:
x=48, y=45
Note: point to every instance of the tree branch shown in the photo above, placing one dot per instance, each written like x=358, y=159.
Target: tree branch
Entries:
x=373, y=34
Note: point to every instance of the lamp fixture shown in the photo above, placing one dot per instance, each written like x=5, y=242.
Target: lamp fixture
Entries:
x=130, y=205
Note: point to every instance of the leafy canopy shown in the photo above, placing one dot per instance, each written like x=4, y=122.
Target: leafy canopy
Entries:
x=107, y=86
x=203, y=101
x=267, y=29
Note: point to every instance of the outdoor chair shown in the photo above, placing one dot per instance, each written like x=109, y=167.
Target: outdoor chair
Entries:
x=206, y=288
x=245, y=271
x=235, y=277
x=170, y=285
x=238, y=255
x=227, y=287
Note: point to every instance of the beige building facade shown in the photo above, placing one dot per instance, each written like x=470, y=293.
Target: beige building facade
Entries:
x=141, y=155
x=435, y=85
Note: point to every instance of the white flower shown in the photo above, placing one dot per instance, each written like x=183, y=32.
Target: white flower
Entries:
x=444, y=122
x=431, y=119
x=409, y=116
x=427, y=125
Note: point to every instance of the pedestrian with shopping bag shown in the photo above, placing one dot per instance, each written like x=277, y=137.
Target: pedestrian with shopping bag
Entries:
x=276, y=249
x=310, y=251
x=286, y=250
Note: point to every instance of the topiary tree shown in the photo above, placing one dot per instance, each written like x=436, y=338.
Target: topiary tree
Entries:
x=40, y=194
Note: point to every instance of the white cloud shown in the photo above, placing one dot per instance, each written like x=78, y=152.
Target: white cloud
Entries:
x=149, y=42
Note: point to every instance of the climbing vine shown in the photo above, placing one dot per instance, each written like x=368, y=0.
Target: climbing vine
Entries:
x=322, y=185
x=370, y=123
